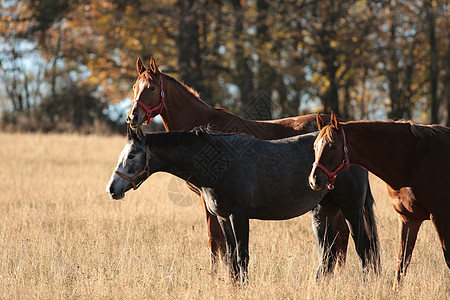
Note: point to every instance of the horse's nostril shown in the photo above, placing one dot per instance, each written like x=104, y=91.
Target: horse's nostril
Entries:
x=110, y=190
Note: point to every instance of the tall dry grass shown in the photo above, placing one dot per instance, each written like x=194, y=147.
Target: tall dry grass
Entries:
x=61, y=237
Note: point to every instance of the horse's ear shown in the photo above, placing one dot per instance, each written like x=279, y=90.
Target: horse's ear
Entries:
x=320, y=121
x=153, y=66
x=334, y=120
x=140, y=66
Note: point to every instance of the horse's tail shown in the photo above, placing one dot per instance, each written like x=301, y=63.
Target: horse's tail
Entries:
x=371, y=229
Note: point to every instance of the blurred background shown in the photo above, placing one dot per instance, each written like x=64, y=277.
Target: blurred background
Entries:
x=69, y=65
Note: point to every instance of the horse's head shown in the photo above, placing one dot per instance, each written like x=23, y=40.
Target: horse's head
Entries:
x=148, y=95
x=132, y=168
x=331, y=151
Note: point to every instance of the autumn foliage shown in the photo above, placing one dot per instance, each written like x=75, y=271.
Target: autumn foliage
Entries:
x=361, y=59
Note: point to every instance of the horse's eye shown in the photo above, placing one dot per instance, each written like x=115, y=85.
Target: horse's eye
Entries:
x=152, y=88
x=131, y=156
x=333, y=146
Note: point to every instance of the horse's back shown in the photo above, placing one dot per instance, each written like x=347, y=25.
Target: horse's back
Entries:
x=278, y=181
x=301, y=124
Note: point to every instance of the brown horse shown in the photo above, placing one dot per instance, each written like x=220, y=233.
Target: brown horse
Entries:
x=412, y=159
x=181, y=109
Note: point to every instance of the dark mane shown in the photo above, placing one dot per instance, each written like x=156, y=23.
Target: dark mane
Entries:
x=185, y=138
x=418, y=130
x=422, y=131
x=193, y=92
x=175, y=138
x=149, y=75
x=188, y=88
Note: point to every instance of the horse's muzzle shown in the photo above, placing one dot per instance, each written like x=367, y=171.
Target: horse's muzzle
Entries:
x=315, y=183
x=115, y=196
x=314, y=186
x=112, y=193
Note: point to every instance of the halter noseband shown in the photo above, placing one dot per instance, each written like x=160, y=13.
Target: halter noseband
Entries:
x=145, y=171
x=344, y=165
x=160, y=106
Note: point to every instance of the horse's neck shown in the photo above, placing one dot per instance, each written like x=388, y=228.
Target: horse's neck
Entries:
x=380, y=148
x=184, y=109
x=183, y=159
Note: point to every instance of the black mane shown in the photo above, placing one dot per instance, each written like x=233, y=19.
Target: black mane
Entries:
x=175, y=138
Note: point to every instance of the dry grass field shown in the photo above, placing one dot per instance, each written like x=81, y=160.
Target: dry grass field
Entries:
x=62, y=237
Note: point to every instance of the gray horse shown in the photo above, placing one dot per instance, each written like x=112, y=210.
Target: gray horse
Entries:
x=242, y=178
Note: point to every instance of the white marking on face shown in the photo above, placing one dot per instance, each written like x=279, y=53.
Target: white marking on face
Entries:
x=319, y=147
x=317, y=151
x=123, y=158
x=138, y=89
x=116, y=182
x=135, y=105
x=141, y=86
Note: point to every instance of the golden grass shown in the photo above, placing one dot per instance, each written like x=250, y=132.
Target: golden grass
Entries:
x=62, y=237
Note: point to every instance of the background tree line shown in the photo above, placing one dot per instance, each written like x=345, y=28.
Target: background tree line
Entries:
x=64, y=61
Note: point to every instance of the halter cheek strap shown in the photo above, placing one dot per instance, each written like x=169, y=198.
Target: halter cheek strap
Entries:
x=160, y=106
x=345, y=165
x=146, y=171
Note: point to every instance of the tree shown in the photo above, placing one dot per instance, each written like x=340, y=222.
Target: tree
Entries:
x=358, y=58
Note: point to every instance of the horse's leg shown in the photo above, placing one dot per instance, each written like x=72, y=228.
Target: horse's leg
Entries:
x=216, y=239
x=240, y=222
x=442, y=226
x=355, y=219
x=322, y=216
x=354, y=197
x=341, y=234
x=225, y=224
x=408, y=234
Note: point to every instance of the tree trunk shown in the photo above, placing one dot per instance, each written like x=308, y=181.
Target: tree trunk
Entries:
x=331, y=98
x=345, y=114
x=266, y=79
x=188, y=45
x=434, y=69
x=397, y=109
x=446, y=91
x=244, y=74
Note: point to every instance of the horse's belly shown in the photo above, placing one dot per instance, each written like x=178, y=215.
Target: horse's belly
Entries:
x=282, y=209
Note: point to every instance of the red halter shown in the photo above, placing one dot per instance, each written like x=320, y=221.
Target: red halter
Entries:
x=344, y=165
x=161, y=105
